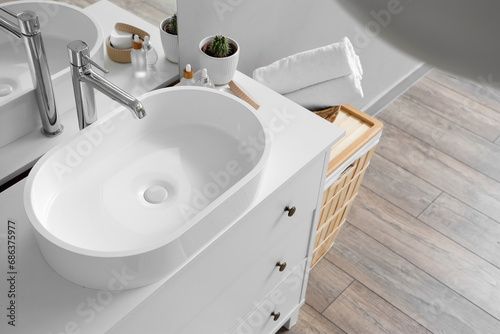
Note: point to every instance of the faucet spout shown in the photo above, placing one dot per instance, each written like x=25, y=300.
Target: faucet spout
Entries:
x=138, y=109
x=85, y=80
x=28, y=30
x=94, y=80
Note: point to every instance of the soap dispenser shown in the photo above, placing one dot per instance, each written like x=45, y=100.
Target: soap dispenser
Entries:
x=151, y=54
x=205, y=80
x=138, y=58
x=187, y=77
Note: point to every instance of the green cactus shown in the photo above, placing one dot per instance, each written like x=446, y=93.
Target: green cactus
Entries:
x=220, y=47
x=171, y=26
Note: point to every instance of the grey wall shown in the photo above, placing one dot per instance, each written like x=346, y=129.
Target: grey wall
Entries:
x=269, y=30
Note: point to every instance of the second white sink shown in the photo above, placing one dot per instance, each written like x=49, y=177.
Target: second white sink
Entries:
x=145, y=195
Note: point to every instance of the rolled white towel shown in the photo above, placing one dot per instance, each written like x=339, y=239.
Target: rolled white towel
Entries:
x=310, y=67
x=330, y=93
x=358, y=64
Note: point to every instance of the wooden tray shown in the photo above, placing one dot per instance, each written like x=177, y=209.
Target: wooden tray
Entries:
x=360, y=129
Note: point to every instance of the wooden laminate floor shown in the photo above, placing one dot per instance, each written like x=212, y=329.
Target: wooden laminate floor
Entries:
x=420, y=252
x=421, y=249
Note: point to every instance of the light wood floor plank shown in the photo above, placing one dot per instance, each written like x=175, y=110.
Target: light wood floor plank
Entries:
x=326, y=283
x=441, y=170
x=428, y=301
x=360, y=310
x=466, y=226
x=399, y=186
x=450, y=263
x=312, y=322
x=455, y=107
x=480, y=92
x=444, y=135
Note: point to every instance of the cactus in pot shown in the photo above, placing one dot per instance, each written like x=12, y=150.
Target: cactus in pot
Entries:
x=219, y=55
x=219, y=47
x=171, y=25
x=169, y=38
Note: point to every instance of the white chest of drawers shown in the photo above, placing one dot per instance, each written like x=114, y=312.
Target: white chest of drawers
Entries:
x=237, y=283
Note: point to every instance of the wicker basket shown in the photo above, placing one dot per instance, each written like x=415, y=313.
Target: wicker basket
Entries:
x=339, y=197
x=337, y=201
x=329, y=114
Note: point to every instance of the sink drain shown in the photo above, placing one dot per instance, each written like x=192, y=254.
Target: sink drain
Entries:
x=155, y=194
x=5, y=89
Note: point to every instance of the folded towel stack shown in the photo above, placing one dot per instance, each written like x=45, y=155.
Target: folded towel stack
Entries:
x=316, y=79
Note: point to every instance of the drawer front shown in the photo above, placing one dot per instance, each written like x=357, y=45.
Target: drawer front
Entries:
x=245, y=250
x=269, y=315
x=256, y=282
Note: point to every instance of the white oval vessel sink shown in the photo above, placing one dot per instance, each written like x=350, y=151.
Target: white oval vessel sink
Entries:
x=60, y=24
x=139, y=197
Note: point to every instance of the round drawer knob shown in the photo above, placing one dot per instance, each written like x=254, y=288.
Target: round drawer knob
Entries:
x=275, y=315
x=282, y=266
x=291, y=210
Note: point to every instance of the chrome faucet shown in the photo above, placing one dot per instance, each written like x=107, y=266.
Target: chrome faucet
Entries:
x=85, y=80
x=28, y=30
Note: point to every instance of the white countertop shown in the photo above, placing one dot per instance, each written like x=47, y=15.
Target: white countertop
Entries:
x=21, y=155
x=47, y=303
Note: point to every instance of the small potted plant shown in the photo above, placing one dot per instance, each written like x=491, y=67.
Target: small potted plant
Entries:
x=169, y=39
x=219, y=55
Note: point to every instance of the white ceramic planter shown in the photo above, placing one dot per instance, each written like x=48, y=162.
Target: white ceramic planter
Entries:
x=170, y=43
x=220, y=70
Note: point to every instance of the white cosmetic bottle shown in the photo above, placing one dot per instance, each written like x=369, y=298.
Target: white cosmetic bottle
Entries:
x=187, y=77
x=138, y=58
x=204, y=80
x=151, y=54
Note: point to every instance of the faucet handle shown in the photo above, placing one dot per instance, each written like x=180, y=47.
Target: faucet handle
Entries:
x=79, y=55
x=101, y=68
